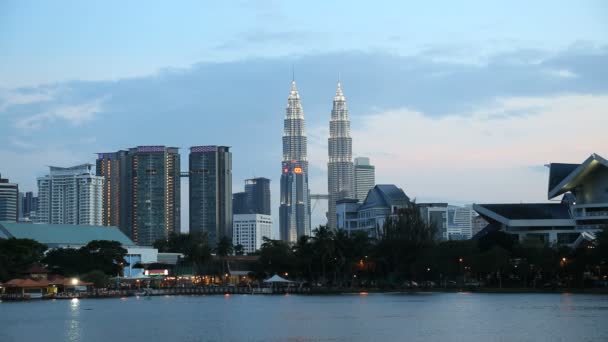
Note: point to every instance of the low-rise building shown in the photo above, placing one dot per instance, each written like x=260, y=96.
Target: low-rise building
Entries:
x=382, y=201
x=583, y=208
x=77, y=236
x=250, y=229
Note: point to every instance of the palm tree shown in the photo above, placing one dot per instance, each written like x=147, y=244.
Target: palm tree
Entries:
x=223, y=249
x=325, y=247
x=239, y=249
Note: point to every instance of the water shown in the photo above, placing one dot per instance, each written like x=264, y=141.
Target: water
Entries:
x=376, y=317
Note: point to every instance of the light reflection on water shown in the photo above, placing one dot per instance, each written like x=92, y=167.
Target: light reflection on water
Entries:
x=374, y=317
x=72, y=329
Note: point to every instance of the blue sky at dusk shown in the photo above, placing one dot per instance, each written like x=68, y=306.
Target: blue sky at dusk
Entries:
x=452, y=101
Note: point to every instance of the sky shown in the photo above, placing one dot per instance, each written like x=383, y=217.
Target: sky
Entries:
x=463, y=102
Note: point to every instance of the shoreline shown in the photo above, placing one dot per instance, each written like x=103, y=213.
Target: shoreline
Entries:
x=325, y=291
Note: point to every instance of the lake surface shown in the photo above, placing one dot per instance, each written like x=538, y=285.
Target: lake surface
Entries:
x=375, y=317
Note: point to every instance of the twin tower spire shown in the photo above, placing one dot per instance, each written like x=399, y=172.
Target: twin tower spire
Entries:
x=294, y=210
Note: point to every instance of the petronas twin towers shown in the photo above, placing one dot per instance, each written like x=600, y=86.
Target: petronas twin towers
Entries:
x=294, y=210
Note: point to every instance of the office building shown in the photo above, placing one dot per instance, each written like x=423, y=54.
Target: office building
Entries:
x=239, y=203
x=255, y=199
x=250, y=229
x=258, y=195
x=294, y=210
x=70, y=195
x=583, y=210
x=9, y=200
x=29, y=205
x=340, y=182
x=365, y=177
x=210, y=173
x=153, y=190
x=436, y=215
x=460, y=223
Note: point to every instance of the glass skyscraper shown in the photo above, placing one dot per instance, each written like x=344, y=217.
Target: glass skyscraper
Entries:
x=294, y=210
x=141, y=194
x=210, y=173
x=154, y=176
x=340, y=183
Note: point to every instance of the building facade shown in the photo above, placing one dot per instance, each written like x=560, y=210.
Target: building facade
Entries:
x=340, y=181
x=255, y=199
x=9, y=200
x=153, y=193
x=239, y=203
x=210, y=172
x=114, y=168
x=460, y=223
x=382, y=201
x=436, y=215
x=258, y=195
x=70, y=195
x=365, y=177
x=294, y=210
x=29, y=205
x=250, y=229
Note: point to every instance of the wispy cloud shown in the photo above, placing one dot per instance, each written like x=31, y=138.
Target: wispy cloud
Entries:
x=16, y=97
x=561, y=73
x=72, y=114
x=481, y=155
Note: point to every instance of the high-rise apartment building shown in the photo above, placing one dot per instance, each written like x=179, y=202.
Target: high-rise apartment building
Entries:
x=294, y=210
x=141, y=194
x=113, y=167
x=340, y=166
x=9, y=200
x=365, y=177
x=70, y=195
x=250, y=229
x=153, y=174
x=210, y=173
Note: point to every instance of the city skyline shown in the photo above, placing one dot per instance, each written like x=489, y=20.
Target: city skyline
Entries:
x=479, y=84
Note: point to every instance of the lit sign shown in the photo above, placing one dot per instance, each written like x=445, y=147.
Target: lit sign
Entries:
x=285, y=170
x=297, y=170
x=153, y=273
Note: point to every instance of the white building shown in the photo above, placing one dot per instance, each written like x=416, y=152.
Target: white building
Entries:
x=365, y=178
x=460, y=223
x=249, y=229
x=71, y=195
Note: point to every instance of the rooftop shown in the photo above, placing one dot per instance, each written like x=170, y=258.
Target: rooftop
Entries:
x=530, y=211
x=54, y=235
x=566, y=177
x=385, y=195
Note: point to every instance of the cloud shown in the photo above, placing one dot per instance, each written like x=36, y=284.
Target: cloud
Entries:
x=10, y=98
x=481, y=155
x=459, y=131
x=561, y=73
x=72, y=114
